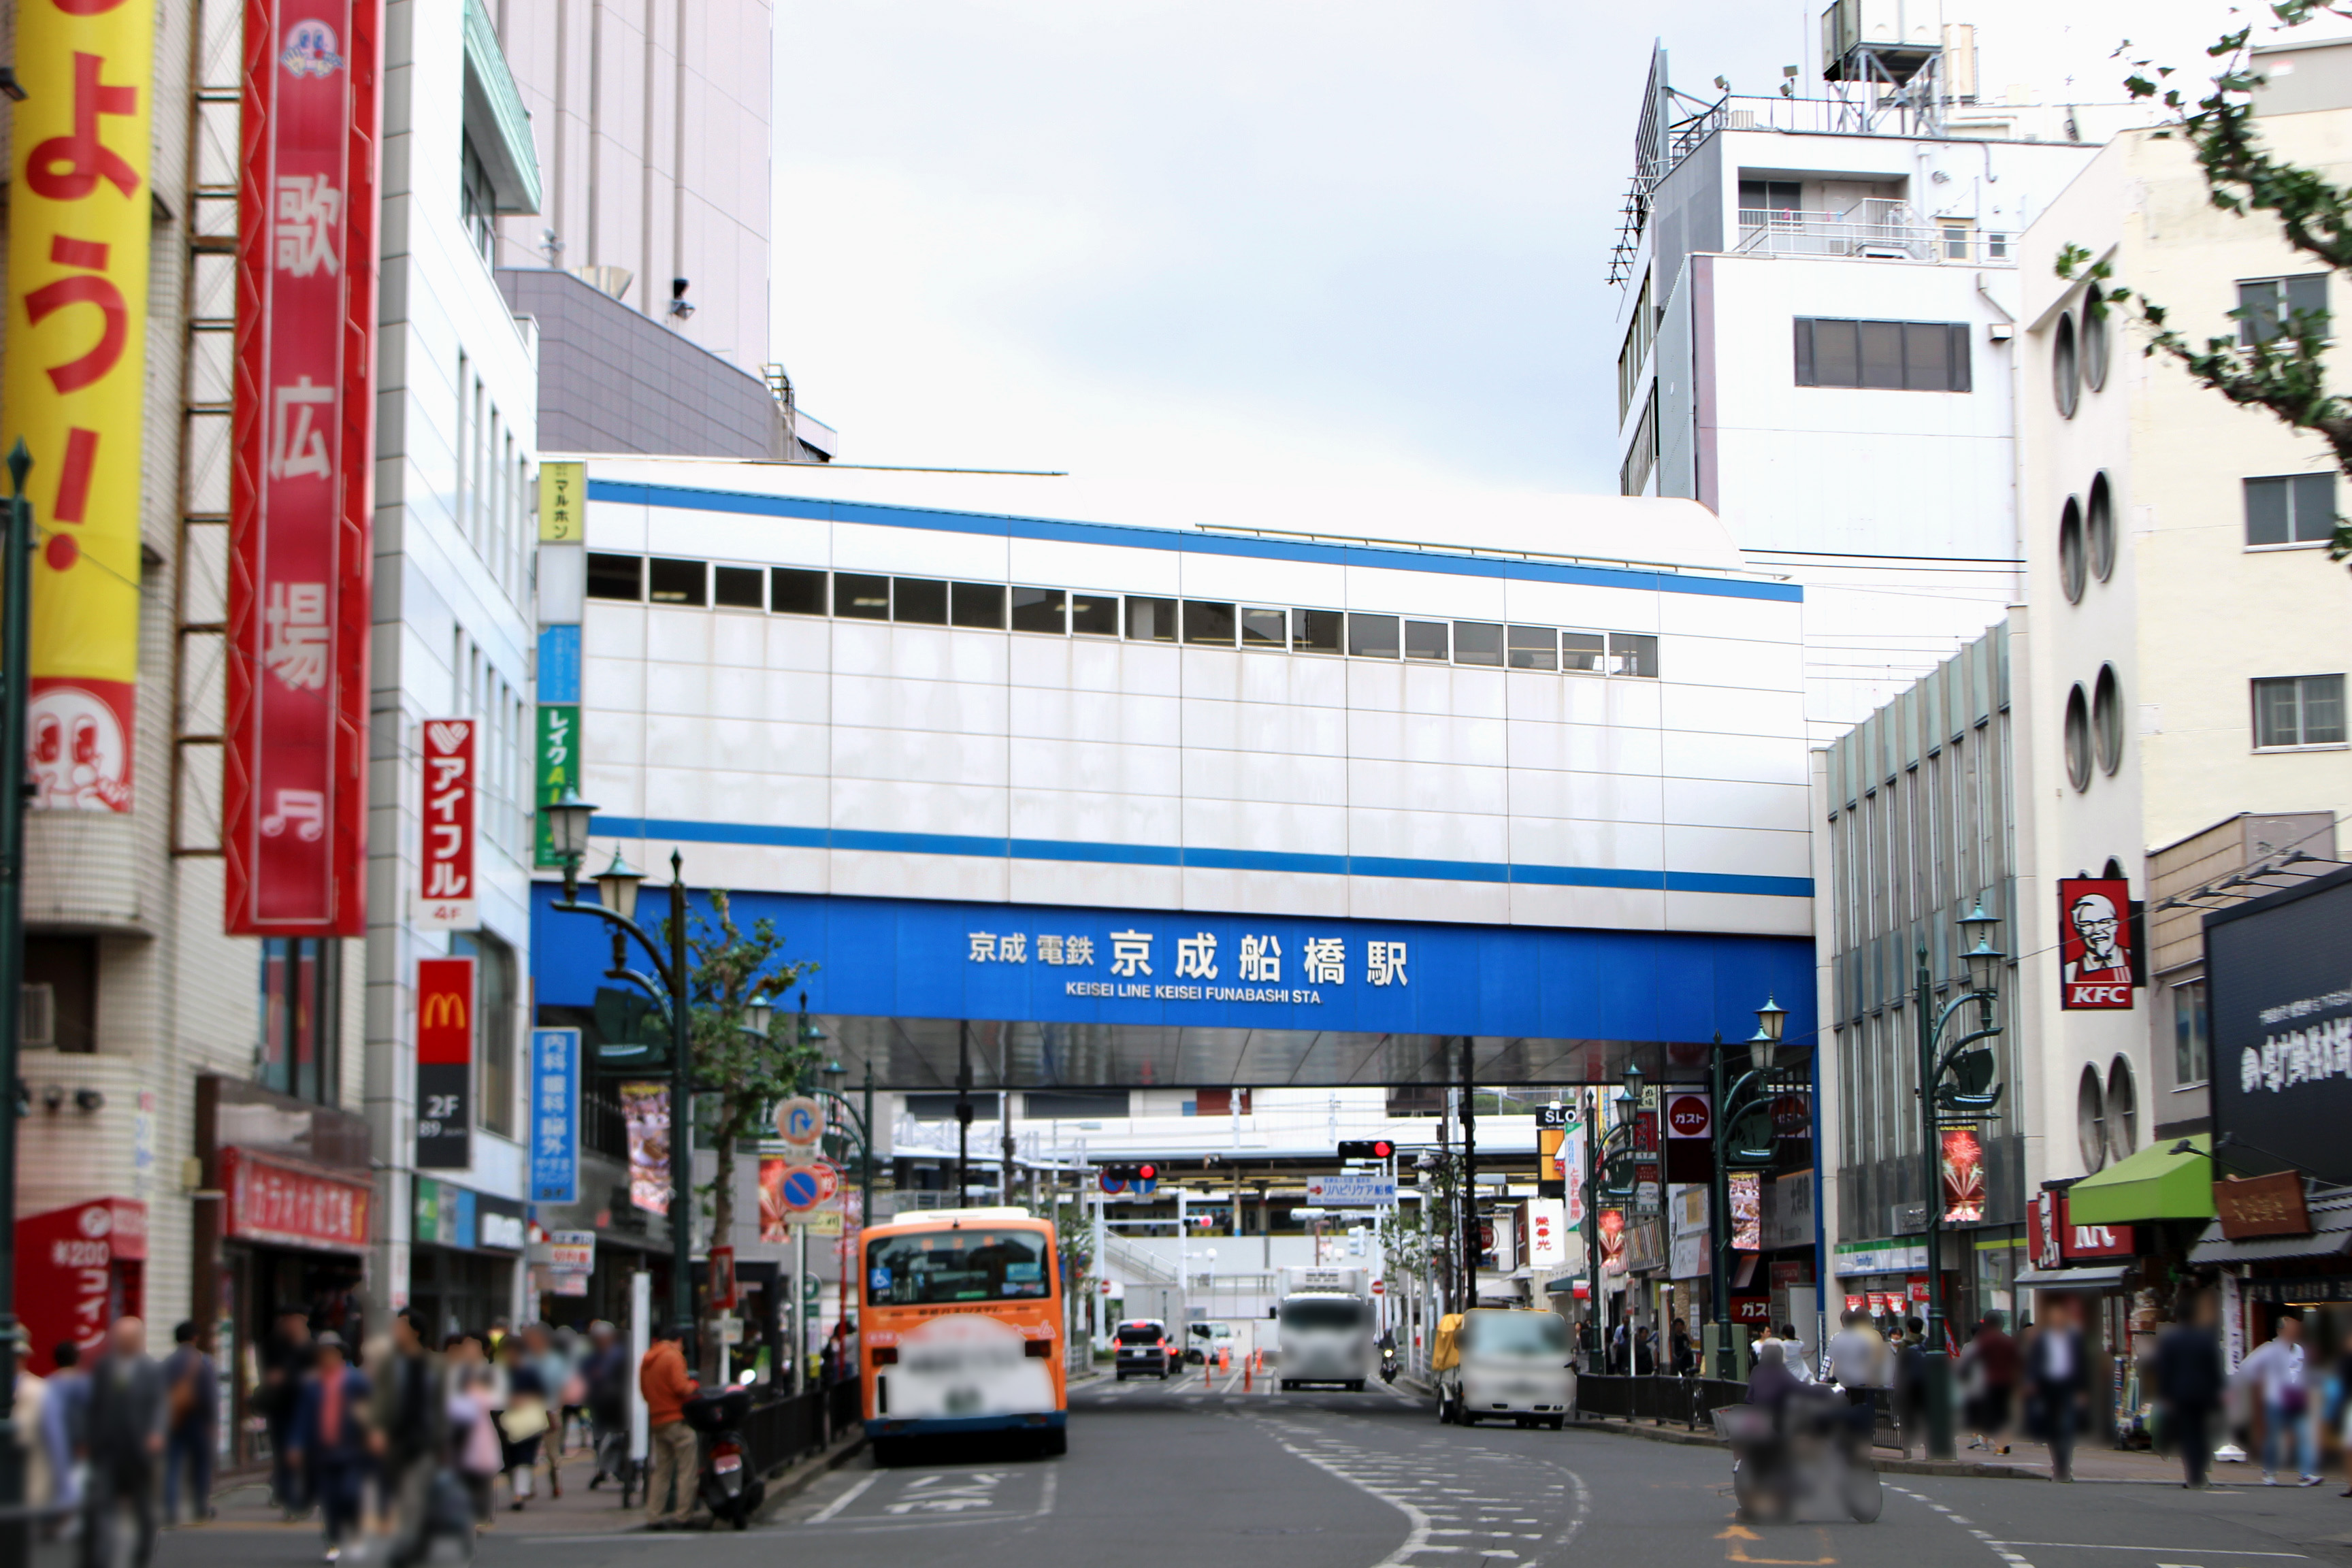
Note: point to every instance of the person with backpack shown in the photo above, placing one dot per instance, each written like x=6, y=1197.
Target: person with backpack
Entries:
x=190, y=1424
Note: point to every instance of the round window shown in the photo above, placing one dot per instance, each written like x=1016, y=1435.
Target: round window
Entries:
x=2078, y=738
x=2099, y=529
x=2091, y=1122
x=2123, y=1109
x=2095, y=312
x=2073, y=568
x=2066, y=372
x=2107, y=720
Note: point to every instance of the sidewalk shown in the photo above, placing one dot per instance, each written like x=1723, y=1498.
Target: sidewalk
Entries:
x=2025, y=1461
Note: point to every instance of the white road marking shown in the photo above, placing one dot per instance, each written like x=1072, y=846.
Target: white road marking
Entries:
x=844, y=1500
x=2104, y=1546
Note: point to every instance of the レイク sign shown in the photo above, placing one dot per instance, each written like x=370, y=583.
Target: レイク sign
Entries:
x=294, y=806
x=75, y=380
x=445, y=1063
x=445, y=899
x=2095, y=943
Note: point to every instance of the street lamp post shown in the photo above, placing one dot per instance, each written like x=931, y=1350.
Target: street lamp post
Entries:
x=617, y=896
x=1729, y=1092
x=1619, y=1139
x=16, y=616
x=1956, y=1089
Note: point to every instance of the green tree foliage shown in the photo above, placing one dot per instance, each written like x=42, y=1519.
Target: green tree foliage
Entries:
x=2284, y=371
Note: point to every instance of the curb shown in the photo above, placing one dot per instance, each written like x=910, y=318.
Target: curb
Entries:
x=1969, y=1468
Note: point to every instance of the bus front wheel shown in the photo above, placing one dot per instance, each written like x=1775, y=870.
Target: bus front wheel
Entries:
x=1054, y=1443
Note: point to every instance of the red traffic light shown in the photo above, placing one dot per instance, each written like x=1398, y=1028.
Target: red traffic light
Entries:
x=1366, y=1148
x=1147, y=1173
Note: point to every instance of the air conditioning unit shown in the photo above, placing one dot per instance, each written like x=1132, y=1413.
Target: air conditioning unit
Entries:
x=36, y=1017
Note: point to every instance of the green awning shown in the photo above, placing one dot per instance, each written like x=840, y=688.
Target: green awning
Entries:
x=2155, y=1183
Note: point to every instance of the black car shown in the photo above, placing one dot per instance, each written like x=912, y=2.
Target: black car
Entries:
x=1146, y=1350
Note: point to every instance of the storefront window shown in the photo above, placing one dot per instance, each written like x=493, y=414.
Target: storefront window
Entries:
x=300, y=1008
x=494, y=993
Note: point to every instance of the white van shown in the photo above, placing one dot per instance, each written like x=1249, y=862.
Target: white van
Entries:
x=1325, y=1337
x=1506, y=1363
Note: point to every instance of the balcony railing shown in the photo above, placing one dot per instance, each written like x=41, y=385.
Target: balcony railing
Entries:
x=1881, y=228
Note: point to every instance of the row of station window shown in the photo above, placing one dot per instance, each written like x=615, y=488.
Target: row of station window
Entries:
x=1059, y=612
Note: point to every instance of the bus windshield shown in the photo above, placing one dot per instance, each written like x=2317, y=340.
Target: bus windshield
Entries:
x=1324, y=1312
x=1531, y=1334
x=942, y=1268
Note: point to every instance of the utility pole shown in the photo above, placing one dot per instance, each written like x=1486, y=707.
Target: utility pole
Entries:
x=15, y=645
x=1470, y=1239
x=963, y=1114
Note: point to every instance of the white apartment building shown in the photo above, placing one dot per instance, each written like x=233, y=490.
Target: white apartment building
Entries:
x=2183, y=687
x=1816, y=303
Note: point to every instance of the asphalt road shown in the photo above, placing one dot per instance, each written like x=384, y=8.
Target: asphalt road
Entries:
x=1196, y=1473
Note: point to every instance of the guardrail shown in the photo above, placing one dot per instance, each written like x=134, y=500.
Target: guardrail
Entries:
x=784, y=1429
x=1690, y=1402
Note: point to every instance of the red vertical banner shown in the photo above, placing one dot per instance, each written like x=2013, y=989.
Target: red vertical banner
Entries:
x=294, y=802
x=445, y=1063
x=446, y=894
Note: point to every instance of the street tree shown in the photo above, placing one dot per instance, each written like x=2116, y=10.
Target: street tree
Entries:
x=2280, y=366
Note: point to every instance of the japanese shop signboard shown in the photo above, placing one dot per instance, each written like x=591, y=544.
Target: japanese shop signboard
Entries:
x=445, y=1063
x=445, y=899
x=75, y=380
x=555, y=1116
x=294, y=827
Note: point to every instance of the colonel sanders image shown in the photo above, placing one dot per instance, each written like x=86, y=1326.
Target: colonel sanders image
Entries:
x=2100, y=961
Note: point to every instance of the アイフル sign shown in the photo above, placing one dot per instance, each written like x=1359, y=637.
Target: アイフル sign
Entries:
x=446, y=896
x=445, y=1063
x=294, y=799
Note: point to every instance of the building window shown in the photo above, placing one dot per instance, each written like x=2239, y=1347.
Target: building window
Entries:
x=1477, y=642
x=477, y=205
x=1371, y=636
x=2107, y=720
x=1583, y=652
x=980, y=605
x=616, y=576
x=857, y=595
x=2090, y=1122
x=739, y=588
x=300, y=1008
x=2192, y=1038
x=922, y=601
x=2099, y=529
x=2066, y=370
x=58, y=1009
x=1425, y=639
x=2299, y=710
x=2290, y=508
x=1150, y=620
x=1642, y=456
x=494, y=1032
x=1268, y=630
x=2095, y=338
x=1634, y=353
x=2074, y=564
x=1633, y=653
x=2078, y=738
x=1040, y=610
x=1208, y=623
x=1094, y=614
x=1893, y=356
x=1958, y=239
x=1316, y=631
x=2122, y=1109
x=677, y=582
x=2268, y=306
x=793, y=592
x=1534, y=648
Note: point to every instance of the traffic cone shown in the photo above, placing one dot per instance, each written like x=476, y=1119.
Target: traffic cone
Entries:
x=1224, y=1358
x=1246, y=1375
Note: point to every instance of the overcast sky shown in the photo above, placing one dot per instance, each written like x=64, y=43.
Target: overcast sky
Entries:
x=1302, y=242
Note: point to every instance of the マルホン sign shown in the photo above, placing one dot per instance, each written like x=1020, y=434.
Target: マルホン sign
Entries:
x=294, y=802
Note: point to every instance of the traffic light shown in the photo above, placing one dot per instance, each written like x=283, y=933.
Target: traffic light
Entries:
x=1366, y=1148
x=1143, y=1173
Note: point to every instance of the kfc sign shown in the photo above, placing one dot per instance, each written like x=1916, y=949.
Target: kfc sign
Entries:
x=446, y=896
x=2095, y=943
x=2054, y=1240
x=294, y=810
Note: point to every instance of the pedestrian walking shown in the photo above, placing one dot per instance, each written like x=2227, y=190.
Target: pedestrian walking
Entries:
x=2057, y=1373
x=662, y=1379
x=1686, y=1359
x=408, y=1434
x=192, y=1425
x=605, y=1374
x=2276, y=1369
x=1856, y=1356
x=1910, y=1387
x=65, y=1405
x=1989, y=1372
x=1794, y=1354
x=123, y=1443
x=2344, y=1410
x=2191, y=1376
x=284, y=1367
x=556, y=1379
x=522, y=1422
x=475, y=1445
x=31, y=1396
x=329, y=1439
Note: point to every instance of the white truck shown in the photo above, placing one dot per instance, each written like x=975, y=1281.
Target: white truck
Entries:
x=1325, y=1328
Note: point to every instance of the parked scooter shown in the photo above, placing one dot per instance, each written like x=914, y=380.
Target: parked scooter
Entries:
x=728, y=1481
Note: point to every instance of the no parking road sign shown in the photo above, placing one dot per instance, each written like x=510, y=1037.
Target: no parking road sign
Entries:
x=806, y=1187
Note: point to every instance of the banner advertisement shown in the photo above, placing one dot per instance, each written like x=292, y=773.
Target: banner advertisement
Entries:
x=555, y=762
x=445, y=1063
x=562, y=495
x=1611, y=1223
x=775, y=1220
x=74, y=383
x=1570, y=1165
x=571, y=1260
x=2095, y=943
x=294, y=806
x=1746, y=1205
x=645, y=1108
x=445, y=898
x=555, y=1116
x=1963, y=1176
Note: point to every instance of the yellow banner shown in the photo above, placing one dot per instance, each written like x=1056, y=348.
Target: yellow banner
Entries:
x=563, y=496
x=73, y=385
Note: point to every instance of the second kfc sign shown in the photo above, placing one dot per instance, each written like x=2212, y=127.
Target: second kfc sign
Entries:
x=2097, y=926
x=446, y=896
x=294, y=816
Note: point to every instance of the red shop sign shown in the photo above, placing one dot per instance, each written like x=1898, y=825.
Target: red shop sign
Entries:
x=447, y=892
x=68, y=1282
x=292, y=1206
x=294, y=810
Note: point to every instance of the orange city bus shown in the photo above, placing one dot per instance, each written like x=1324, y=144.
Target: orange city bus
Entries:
x=961, y=1327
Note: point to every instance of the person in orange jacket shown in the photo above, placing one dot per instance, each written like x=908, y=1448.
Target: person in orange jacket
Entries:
x=663, y=1379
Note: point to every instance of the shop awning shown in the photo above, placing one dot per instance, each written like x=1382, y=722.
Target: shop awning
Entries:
x=2073, y=1278
x=2155, y=1183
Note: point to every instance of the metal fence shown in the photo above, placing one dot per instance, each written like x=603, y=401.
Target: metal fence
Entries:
x=1688, y=1402
x=782, y=1429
